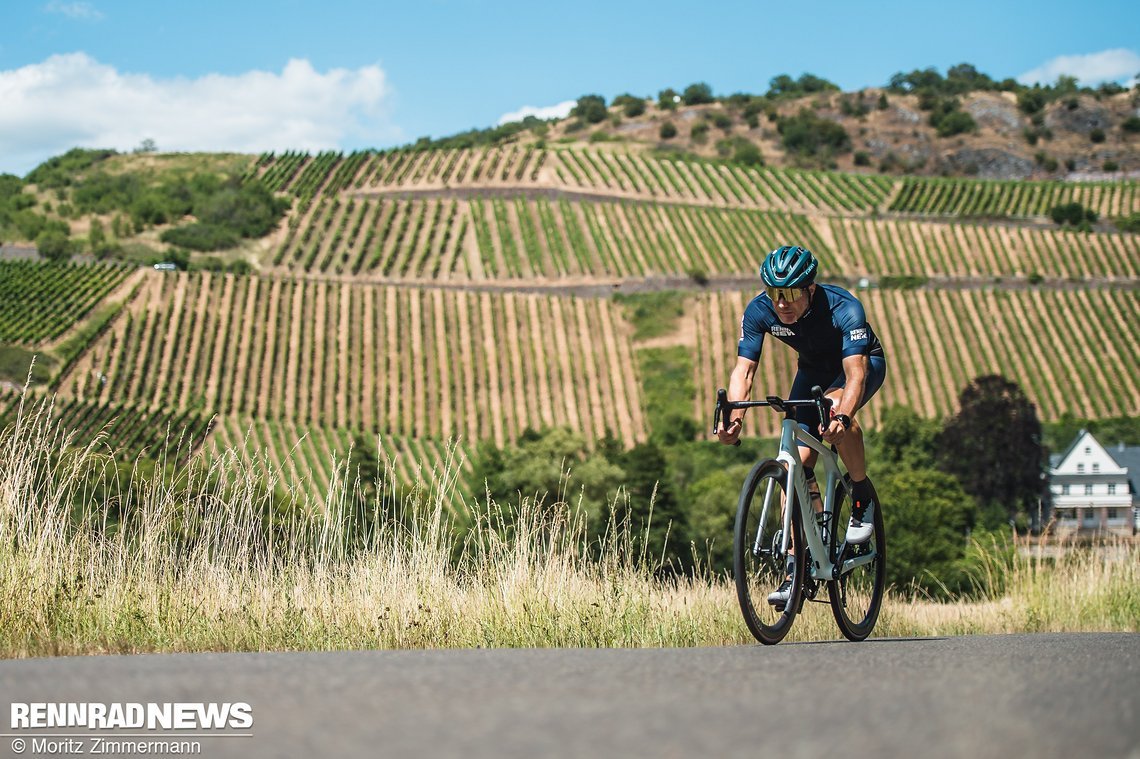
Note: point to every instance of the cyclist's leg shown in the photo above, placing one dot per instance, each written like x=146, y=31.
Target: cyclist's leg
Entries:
x=853, y=454
x=851, y=449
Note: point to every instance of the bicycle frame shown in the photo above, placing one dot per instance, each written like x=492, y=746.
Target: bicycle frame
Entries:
x=822, y=566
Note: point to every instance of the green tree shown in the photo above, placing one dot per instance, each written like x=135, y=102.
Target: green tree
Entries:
x=630, y=105
x=590, y=109
x=54, y=245
x=927, y=518
x=653, y=510
x=666, y=99
x=698, y=93
x=993, y=446
x=902, y=439
x=808, y=134
x=668, y=130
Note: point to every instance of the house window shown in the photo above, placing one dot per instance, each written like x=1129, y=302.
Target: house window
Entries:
x=1090, y=516
x=1112, y=513
x=1088, y=489
x=1080, y=468
x=1112, y=488
x=1096, y=467
x=1088, y=450
x=1065, y=514
x=1064, y=490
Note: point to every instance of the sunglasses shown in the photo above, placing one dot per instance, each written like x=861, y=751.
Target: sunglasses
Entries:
x=789, y=294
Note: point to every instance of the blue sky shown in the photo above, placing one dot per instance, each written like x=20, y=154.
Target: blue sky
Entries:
x=252, y=75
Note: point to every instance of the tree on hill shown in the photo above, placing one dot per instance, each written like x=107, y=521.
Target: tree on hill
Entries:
x=783, y=85
x=630, y=105
x=810, y=135
x=698, y=93
x=590, y=109
x=993, y=446
x=666, y=99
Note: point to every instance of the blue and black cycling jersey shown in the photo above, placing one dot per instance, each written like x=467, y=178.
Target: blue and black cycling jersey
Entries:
x=833, y=328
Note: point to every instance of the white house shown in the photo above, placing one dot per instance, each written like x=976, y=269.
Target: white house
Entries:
x=1096, y=489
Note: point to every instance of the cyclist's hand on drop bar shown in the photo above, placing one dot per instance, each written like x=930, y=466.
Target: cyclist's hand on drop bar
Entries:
x=731, y=435
x=834, y=431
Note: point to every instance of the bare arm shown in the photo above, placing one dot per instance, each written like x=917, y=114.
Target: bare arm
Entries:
x=739, y=389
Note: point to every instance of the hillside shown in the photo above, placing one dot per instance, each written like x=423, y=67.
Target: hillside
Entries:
x=425, y=295
x=1078, y=138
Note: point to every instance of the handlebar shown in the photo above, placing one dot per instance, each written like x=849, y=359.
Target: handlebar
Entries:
x=783, y=405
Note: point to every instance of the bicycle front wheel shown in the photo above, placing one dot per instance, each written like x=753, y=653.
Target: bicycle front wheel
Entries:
x=857, y=595
x=759, y=564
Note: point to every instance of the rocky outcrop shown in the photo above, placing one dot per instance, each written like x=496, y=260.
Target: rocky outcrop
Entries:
x=989, y=163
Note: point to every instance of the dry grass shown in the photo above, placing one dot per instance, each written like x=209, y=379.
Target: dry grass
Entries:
x=197, y=569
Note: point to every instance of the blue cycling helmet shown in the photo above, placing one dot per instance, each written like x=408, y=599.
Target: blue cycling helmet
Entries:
x=789, y=266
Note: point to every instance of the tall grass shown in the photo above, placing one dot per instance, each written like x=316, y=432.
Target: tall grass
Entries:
x=210, y=556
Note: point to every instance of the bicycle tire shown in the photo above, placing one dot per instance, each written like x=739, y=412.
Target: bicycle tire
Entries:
x=856, y=598
x=756, y=574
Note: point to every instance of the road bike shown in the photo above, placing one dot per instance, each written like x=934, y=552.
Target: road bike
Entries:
x=774, y=532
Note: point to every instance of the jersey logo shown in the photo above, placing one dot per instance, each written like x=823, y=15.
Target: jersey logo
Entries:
x=780, y=330
x=858, y=334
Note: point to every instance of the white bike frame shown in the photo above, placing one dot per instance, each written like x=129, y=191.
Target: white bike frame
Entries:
x=822, y=568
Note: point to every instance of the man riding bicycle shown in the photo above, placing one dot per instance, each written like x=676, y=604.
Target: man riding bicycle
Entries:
x=838, y=351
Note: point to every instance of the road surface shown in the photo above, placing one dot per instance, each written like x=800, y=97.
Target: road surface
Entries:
x=1047, y=695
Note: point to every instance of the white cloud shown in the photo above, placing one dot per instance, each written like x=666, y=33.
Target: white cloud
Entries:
x=73, y=100
x=1090, y=70
x=76, y=10
x=560, y=111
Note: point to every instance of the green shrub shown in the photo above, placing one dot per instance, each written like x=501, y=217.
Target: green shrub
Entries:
x=746, y=153
x=1050, y=164
x=698, y=93
x=1131, y=125
x=1111, y=165
x=668, y=130
x=202, y=236
x=1097, y=135
x=630, y=105
x=1031, y=101
x=1030, y=135
x=600, y=135
x=590, y=109
x=1072, y=213
x=883, y=104
x=722, y=121
x=809, y=134
x=54, y=245
x=862, y=158
x=665, y=99
x=699, y=132
x=1130, y=223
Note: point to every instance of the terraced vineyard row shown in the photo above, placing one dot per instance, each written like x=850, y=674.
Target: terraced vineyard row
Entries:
x=409, y=363
x=597, y=171
x=313, y=461
x=958, y=197
x=937, y=342
x=512, y=237
x=40, y=300
x=620, y=173
x=973, y=250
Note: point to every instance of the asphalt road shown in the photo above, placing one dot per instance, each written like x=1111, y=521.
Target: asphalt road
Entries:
x=987, y=696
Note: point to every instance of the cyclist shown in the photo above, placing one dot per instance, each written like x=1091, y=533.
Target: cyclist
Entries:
x=838, y=351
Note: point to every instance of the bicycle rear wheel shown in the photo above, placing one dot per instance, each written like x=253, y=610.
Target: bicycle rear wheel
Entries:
x=857, y=596
x=758, y=563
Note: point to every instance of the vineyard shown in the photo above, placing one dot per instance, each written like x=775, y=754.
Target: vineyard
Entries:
x=955, y=197
x=409, y=363
x=313, y=462
x=41, y=301
x=938, y=341
x=392, y=305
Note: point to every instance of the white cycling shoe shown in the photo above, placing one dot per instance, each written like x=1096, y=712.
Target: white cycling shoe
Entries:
x=779, y=597
x=862, y=523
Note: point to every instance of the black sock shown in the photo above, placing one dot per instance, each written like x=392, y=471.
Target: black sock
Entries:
x=863, y=492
